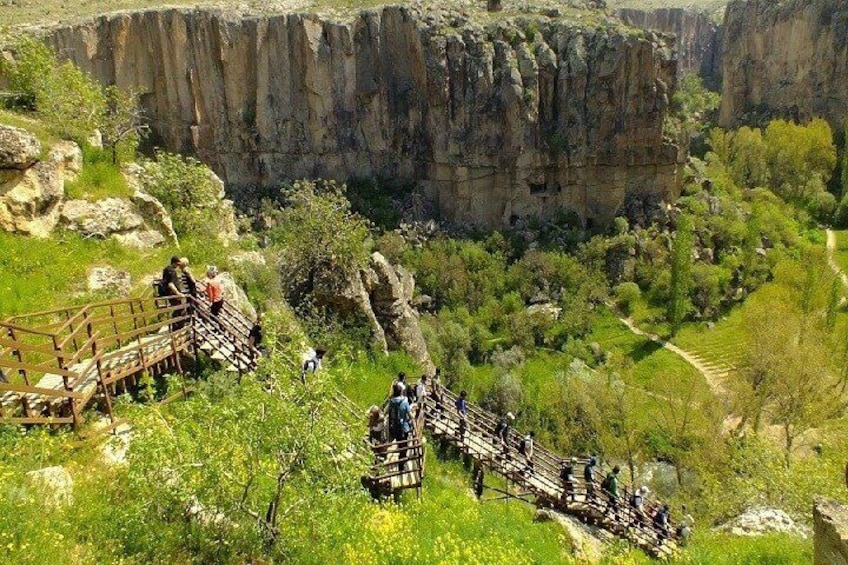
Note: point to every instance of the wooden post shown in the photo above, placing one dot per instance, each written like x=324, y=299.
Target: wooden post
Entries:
x=115, y=324
x=71, y=329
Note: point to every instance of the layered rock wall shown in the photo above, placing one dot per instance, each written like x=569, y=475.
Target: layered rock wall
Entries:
x=495, y=122
x=697, y=38
x=786, y=59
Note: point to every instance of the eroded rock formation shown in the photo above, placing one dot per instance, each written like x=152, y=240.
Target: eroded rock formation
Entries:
x=697, y=38
x=495, y=121
x=830, y=522
x=785, y=58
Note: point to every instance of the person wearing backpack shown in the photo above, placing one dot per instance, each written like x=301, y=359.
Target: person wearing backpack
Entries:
x=399, y=426
x=566, y=475
x=525, y=448
x=610, y=487
x=502, y=432
x=637, y=504
x=589, y=478
x=170, y=287
x=311, y=363
x=661, y=522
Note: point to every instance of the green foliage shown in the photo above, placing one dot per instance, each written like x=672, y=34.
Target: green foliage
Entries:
x=33, y=61
x=99, y=178
x=681, y=272
x=121, y=124
x=626, y=295
x=315, y=231
x=188, y=190
x=691, y=107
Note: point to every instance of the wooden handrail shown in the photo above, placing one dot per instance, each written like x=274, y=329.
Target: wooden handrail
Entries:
x=43, y=391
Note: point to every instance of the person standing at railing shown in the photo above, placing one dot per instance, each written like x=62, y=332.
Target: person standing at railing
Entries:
x=187, y=280
x=399, y=426
x=170, y=288
x=214, y=290
x=589, y=478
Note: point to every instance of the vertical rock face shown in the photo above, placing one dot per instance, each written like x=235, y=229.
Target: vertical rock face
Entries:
x=495, y=122
x=697, y=37
x=788, y=58
x=831, y=532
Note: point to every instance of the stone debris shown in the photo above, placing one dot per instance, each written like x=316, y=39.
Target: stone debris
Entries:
x=587, y=543
x=760, y=521
x=55, y=485
x=109, y=279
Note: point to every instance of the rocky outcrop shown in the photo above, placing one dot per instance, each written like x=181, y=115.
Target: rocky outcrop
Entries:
x=761, y=521
x=110, y=280
x=110, y=217
x=236, y=296
x=494, y=119
x=785, y=59
x=697, y=37
x=55, y=485
x=587, y=543
x=32, y=189
x=381, y=295
x=830, y=523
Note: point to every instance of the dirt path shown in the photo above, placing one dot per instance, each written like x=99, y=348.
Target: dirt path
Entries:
x=715, y=380
x=831, y=249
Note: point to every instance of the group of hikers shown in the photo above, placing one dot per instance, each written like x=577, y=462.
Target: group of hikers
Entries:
x=392, y=424
x=178, y=281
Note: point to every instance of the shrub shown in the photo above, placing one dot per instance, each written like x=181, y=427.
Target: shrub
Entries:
x=627, y=294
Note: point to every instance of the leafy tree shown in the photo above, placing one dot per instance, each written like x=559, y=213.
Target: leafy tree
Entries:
x=122, y=124
x=798, y=155
x=681, y=273
x=32, y=61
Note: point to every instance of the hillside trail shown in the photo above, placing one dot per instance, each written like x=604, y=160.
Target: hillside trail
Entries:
x=831, y=249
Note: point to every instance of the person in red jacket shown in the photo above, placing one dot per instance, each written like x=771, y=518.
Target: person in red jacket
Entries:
x=214, y=290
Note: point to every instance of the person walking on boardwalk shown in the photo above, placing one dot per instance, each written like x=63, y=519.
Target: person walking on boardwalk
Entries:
x=311, y=362
x=502, y=432
x=589, y=478
x=661, y=521
x=170, y=287
x=637, y=504
x=436, y=393
x=462, y=410
x=566, y=475
x=526, y=448
x=377, y=432
x=399, y=426
x=610, y=487
x=214, y=290
x=421, y=390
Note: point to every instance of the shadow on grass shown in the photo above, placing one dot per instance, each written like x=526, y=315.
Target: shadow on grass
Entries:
x=647, y=349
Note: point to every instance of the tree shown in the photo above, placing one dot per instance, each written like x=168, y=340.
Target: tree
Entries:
x=122, y=124
x=681, y=273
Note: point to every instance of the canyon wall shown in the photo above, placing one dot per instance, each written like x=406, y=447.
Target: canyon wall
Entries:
x=697, y=38
x=495, y=122
x=830, y=520
x=785, y=59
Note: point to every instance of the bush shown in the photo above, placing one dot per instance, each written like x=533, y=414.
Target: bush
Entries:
x=99, y=178
x=627, y=294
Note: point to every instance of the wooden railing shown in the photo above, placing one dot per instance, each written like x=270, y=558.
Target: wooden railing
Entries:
x=477, y=437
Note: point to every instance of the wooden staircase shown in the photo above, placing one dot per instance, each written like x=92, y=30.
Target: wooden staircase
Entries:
x=477, y=439
x=54, y=363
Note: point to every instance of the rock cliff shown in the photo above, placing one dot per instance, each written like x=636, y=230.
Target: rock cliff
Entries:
x=831, y=532
x=495, y=119
x=697, y=38
x=785, y=58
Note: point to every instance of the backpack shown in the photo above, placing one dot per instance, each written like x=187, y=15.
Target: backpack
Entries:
x=606, y=484
x=636, y=500
x=310, y=365
x=161, y=287
x=522, y=447
x=394, y=419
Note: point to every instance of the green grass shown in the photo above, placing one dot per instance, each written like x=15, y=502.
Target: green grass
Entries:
x=38, y=274
x=723, y=345
x=840, y=254
x=99, y=178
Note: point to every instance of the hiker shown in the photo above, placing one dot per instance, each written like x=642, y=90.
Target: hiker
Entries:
x=436, y=392
x=254, y=337
x=589, y=477
x=214, y=290
x=170, y=287
x=566, y=475
x=661, y=521
x=462, y=408
x=525, y=448
x=409, y=392
x=311, y=362
x=637, y=504
x=684, y=529
x=399, y=426
x=376, y=426
x=421, y=389
x=502, y=432
x=610, y=486
x=189, y=283
x=401, y=380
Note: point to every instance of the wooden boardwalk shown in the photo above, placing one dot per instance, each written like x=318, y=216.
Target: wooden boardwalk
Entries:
x=476, y=438
x=56, y=362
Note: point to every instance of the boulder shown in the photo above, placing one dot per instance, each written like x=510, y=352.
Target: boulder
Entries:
x=144, y=239
x=390, y=299
x=55, y=485
x=760, y=521
x=155, y=215
x=546, y=310
x=30, y=197
x=252, y=258
x=109, y=279
x=236, y=296
x=830, y=524
x=100, y=218
x=19, y=149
